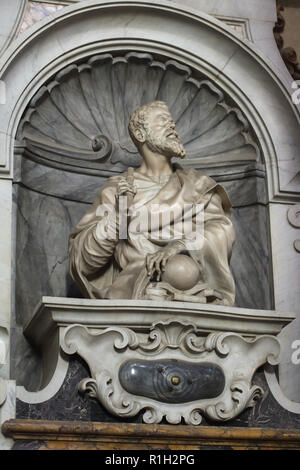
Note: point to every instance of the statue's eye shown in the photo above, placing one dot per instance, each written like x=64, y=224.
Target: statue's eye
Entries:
x=163, y=120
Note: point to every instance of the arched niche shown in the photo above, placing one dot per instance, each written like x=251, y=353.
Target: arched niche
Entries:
x=204, y=51
x=73, y=135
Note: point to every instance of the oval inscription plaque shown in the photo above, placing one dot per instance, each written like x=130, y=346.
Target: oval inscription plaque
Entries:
x=171, y=380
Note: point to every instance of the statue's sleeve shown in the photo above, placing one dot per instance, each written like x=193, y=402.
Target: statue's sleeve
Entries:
x=93, y=240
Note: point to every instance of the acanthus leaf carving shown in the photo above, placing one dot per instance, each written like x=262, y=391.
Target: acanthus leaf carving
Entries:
x=173, y=334
x=242, y=396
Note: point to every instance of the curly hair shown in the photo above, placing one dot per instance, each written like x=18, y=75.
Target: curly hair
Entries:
x=138, y=118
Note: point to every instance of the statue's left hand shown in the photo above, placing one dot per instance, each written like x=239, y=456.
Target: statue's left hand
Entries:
x=156, y=262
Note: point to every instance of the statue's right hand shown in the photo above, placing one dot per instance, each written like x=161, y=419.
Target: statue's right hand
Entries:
x=125, y=187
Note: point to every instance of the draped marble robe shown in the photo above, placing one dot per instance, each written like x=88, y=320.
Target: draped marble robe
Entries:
x=105, y=266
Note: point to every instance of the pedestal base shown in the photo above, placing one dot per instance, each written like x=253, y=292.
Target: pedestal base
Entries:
x=176, y=361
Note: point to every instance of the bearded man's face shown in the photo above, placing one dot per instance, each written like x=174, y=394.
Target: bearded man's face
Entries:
x=161, y=135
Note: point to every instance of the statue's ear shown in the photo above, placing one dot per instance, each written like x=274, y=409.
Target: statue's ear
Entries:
x=140, y=135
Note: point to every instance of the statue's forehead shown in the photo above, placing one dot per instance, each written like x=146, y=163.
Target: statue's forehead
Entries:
x=159, y=112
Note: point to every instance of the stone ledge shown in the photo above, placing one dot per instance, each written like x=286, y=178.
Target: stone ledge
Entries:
x=138, y=315
x=71, y=435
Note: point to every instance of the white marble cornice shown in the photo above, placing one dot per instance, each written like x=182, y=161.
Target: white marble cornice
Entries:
x=53, y=312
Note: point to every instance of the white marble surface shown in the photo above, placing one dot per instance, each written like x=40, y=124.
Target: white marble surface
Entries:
x=4, y=357
x=5, y=248
x=10, y=20
x=252, y=9
x=53, y=386
x=3, y=143
x=277, y=391
x=286, y=273
x=5, y=269
x=261, y=17
x=139, y=313
x=286, y=261
x=8, y=411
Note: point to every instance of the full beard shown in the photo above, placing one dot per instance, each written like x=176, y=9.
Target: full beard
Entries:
x=171, y=147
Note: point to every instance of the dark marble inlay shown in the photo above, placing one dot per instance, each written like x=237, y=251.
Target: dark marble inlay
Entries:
x=68, y=405
x=172, y=381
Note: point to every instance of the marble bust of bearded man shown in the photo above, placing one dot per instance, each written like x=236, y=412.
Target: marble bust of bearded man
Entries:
x=143, y=264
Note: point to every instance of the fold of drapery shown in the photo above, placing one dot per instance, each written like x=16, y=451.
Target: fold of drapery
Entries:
x=106, y=267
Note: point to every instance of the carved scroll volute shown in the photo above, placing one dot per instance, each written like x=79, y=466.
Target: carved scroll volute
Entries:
x=177, y=347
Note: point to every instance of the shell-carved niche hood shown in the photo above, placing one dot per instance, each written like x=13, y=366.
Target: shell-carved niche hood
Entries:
x=78, y=121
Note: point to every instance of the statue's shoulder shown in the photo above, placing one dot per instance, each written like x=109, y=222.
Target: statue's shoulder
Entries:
x=204, y=184
x=200, y=181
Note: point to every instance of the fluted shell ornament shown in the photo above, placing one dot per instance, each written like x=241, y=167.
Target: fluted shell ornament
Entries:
x=79, y=120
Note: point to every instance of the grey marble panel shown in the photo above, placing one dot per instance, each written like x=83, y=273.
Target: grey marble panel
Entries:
x=43, y=227
x=245, y=183
x=245, y=191
x=41, y=268
x=250, y=262
x=172, y=381
x=26, y=362
x=58, y=183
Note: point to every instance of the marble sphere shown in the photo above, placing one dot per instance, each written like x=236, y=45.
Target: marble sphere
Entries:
x=181, y=272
